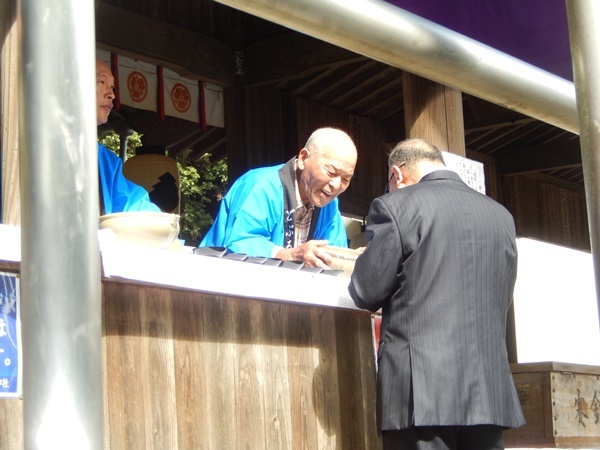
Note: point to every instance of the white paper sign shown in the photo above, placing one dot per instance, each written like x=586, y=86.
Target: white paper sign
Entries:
x=470, y=171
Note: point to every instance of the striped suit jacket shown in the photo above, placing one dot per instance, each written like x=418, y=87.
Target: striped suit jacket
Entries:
x=441, y=263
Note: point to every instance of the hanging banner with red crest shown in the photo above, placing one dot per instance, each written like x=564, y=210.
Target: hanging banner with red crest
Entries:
x=149, y=87
x=180, y=96
x=137, y=82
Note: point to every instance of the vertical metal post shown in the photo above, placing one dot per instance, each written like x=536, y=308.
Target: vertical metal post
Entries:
x=583, y=17
x=60, y=268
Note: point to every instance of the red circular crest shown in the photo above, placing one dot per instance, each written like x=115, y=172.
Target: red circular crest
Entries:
x=137, y=85
x=181, y=98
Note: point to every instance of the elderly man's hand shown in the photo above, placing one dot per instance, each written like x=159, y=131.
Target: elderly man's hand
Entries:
x=311, y=253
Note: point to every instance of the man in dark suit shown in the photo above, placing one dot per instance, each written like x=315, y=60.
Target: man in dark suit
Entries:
x=441, y=262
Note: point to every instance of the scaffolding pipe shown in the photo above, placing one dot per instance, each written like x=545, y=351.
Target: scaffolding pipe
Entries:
x=583, y=17
x=60, y=265
x=389, y=34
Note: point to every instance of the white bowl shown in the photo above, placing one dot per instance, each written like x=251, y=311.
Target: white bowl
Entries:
x=153, y=229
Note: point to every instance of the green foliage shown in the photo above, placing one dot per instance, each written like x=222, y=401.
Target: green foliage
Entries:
x=112, y=141
x=201, y=185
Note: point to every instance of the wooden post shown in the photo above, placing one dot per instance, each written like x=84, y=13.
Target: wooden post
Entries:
x=235, y=123
x=9, y=117
x=433, y=112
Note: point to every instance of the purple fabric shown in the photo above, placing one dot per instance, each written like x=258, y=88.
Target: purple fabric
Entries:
x=535, y=31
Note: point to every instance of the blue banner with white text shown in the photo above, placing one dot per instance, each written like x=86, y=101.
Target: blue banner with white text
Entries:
x=10, y=342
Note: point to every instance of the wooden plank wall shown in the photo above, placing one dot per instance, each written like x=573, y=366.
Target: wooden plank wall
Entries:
x=547, y=212
x=185, y=370
x=277, y=127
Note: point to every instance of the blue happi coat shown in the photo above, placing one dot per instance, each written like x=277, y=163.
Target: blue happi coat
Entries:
x=251, y=216
x=118, y=193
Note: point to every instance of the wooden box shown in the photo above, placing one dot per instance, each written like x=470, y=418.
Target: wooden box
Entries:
x=561, y=403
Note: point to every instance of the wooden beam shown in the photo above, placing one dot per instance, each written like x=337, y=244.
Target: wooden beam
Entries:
x=292, y=55
x=538, y=158
x=433, y=112
x=191, y=54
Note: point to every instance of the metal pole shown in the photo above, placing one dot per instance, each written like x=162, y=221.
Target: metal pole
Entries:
x=386, y=33
x=60, y=268
x=583, y=17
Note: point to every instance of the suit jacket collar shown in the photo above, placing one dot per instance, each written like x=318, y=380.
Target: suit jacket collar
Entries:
x=441, y=174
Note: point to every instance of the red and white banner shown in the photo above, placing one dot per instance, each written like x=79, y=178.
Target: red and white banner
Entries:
x=138, y=83
x=149, y=87
x=181, y=96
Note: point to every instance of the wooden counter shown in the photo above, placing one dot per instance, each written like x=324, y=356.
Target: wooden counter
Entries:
x=191, y=369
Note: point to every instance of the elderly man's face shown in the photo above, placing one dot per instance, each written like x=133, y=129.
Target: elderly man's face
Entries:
x=105, y=94
x=325, y=176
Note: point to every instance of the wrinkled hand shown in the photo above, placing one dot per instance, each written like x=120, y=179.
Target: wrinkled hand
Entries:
x=311, y=253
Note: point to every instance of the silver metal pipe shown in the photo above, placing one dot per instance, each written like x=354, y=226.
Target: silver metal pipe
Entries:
x=583, y=17
x=389, y=34
x=60, y=268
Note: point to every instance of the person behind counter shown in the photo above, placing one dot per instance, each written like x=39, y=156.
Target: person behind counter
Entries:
x=441, y=262
x=117, y=193
x=290, y=211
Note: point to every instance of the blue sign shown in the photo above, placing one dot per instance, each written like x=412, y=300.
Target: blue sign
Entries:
x=10, y=342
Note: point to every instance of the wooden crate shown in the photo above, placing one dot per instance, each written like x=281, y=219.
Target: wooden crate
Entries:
x=561, y=403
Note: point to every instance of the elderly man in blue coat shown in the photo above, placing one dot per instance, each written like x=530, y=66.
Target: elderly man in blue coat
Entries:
x=117, y=193
x=290, y=211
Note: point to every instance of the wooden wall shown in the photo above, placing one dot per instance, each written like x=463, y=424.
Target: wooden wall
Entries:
x=202, y=371
x=547, y=212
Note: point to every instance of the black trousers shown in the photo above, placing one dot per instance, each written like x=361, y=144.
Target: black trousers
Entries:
x=475, y=437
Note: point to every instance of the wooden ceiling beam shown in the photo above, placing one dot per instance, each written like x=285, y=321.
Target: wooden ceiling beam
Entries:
x=191, y=54
x=373, y=82
x=380, y=90
x=292, y=55
x=505, y=139
x=539, y=158
x=495, y=126
x=345, y=77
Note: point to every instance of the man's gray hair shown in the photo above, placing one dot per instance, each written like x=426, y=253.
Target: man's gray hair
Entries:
x=411, y=151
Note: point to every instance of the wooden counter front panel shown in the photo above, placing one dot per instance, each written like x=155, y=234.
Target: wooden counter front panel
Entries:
x=193, y=370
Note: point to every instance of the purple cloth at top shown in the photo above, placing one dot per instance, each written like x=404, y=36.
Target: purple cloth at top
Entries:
x=535, y=31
